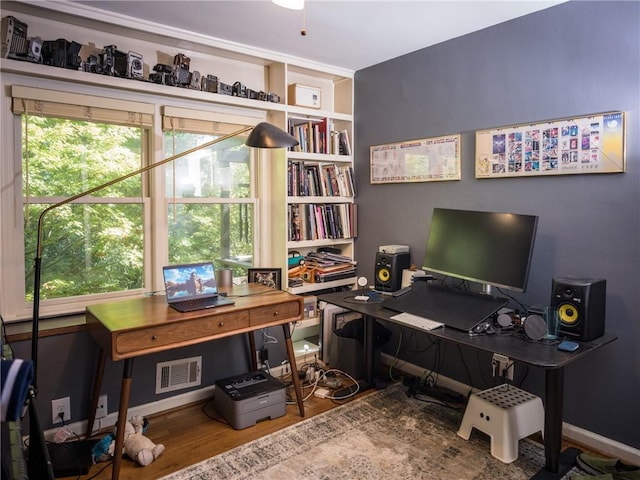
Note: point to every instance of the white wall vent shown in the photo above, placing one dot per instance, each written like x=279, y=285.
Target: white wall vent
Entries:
x=178, y=374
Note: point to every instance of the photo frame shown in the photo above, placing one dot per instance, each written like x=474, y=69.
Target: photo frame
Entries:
x=426, y=160
x=579, y=145
x=270, y=277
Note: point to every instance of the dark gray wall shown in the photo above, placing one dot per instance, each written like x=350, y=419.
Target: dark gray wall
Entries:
x=573, y=59
x=67, y=363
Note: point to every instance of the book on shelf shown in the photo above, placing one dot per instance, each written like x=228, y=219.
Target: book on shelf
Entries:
x=344, y=144
x=314, y=221
x=326, y=180
x=312, y=134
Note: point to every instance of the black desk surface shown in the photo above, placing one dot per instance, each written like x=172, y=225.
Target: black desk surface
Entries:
x=515, y=346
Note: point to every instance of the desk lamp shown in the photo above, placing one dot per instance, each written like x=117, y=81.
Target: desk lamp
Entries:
x=263, y=135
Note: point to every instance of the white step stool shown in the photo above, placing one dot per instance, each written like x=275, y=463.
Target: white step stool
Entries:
x=505, y=413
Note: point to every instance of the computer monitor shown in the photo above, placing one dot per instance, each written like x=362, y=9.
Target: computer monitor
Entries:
x=490, y=248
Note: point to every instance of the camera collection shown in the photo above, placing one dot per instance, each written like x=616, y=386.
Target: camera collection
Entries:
x=110, y=61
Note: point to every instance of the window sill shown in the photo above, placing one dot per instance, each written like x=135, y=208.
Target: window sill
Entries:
x=21, y=331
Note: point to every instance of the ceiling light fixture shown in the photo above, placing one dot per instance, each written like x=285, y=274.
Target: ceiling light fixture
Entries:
x=292, y=4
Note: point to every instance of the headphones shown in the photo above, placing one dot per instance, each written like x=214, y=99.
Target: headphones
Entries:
x=533, y=325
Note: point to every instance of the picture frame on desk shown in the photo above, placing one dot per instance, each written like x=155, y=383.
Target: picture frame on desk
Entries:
x=270, y=277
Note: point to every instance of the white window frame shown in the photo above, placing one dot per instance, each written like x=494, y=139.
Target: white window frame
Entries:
x=12, y=304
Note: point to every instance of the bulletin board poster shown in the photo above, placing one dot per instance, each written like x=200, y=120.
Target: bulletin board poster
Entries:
x=425, y=160
x=590, y=144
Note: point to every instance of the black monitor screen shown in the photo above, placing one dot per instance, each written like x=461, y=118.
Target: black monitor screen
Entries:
x=490, y=248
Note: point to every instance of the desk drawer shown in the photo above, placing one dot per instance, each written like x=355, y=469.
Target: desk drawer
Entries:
x=273, y=313
x=180, y=333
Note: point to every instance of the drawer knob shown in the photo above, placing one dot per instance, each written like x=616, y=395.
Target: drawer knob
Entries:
x=154, y=337
x=275, y=314
x=221, y=324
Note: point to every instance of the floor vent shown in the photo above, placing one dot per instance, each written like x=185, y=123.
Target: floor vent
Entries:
x=178, y=374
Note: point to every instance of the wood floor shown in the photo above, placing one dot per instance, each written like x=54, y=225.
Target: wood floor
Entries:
x=195, y=432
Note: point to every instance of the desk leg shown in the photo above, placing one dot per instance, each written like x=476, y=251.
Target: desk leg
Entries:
x=291, y=356
x=96, y=392
x=252, y=351
x=125, y=391
x=557, y=463
x=369, y=325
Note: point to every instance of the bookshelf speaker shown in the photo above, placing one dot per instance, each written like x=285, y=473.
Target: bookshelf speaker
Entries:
x=581, y=306
x=388, y=270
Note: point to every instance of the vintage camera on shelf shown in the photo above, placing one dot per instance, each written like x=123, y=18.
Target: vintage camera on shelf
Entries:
x=163, y=74
x=14, y=38
x=92, y=65
x=273, y=97
x=34, y=53
x=108, y=60
x=262, y=96
x=61, y=53
x=252, y=94
x=181, y=70
x=224, y=89
x=135, y=65
x=239, y=90
x=195, y=81
x=209, y=83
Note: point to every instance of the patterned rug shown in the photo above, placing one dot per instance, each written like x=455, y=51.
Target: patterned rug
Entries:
x=383, y=435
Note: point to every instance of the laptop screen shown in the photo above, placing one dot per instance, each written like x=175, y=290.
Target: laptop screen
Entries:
x=186, y=282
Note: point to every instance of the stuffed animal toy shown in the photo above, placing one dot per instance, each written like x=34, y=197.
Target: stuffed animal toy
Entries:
x=136, y=446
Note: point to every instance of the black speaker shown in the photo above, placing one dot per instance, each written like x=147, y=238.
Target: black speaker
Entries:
x=388, y=271
x=581, y=306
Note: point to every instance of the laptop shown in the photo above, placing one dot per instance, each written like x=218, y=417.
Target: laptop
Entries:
x=192, y=287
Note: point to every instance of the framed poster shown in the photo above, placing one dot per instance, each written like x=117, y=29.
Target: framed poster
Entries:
x=426, y=160
x=270, y=277
x=592, y=144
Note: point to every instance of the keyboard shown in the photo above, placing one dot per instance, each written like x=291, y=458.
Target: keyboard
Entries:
x=414, y=321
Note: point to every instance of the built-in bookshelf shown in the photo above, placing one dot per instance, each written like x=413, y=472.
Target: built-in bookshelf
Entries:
x=322, y=190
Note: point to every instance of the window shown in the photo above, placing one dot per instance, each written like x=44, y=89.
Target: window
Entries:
x=113, y=242
x=209, y=192
x=95, y=245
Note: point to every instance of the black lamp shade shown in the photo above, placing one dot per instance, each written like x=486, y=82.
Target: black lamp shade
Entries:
x=265, y=135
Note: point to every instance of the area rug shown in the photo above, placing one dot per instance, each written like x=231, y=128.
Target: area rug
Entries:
x=383, y=435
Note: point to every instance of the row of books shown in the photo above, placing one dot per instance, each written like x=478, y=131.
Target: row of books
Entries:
x=327, y=180
x=318, y=136
x=312, y=221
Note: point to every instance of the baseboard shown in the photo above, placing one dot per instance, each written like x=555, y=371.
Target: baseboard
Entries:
x=593, y=441
x=606, y=446
x=144, y=410
x=175, y=401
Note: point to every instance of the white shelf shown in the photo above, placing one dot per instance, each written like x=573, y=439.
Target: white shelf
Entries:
x=320, y=157
x=314, y=287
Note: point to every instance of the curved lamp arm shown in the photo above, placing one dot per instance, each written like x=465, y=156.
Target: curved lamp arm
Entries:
x=263, y=135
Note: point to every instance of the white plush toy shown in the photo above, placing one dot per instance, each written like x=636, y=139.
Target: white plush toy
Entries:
x=136, y=446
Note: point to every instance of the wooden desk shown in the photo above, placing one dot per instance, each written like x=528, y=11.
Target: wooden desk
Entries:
x=537, y=354
x=131, y=328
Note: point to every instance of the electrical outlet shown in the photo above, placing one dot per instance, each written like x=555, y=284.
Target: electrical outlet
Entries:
x=503, y=367
x=101, y=411
x=61, y=406
x=262, y=356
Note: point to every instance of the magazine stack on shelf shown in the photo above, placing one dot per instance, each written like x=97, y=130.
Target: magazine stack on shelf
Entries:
x=328, y=266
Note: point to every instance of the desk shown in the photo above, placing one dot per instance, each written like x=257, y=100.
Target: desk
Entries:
x=131, y=328
x=537, y=354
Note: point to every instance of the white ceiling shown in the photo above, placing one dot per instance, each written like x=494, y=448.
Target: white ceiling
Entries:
x=350, y=34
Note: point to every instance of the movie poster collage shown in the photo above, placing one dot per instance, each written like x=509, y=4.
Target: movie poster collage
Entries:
x=561, y=147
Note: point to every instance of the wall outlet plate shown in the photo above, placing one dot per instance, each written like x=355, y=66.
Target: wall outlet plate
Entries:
x=101, y=410
x=61, y=405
